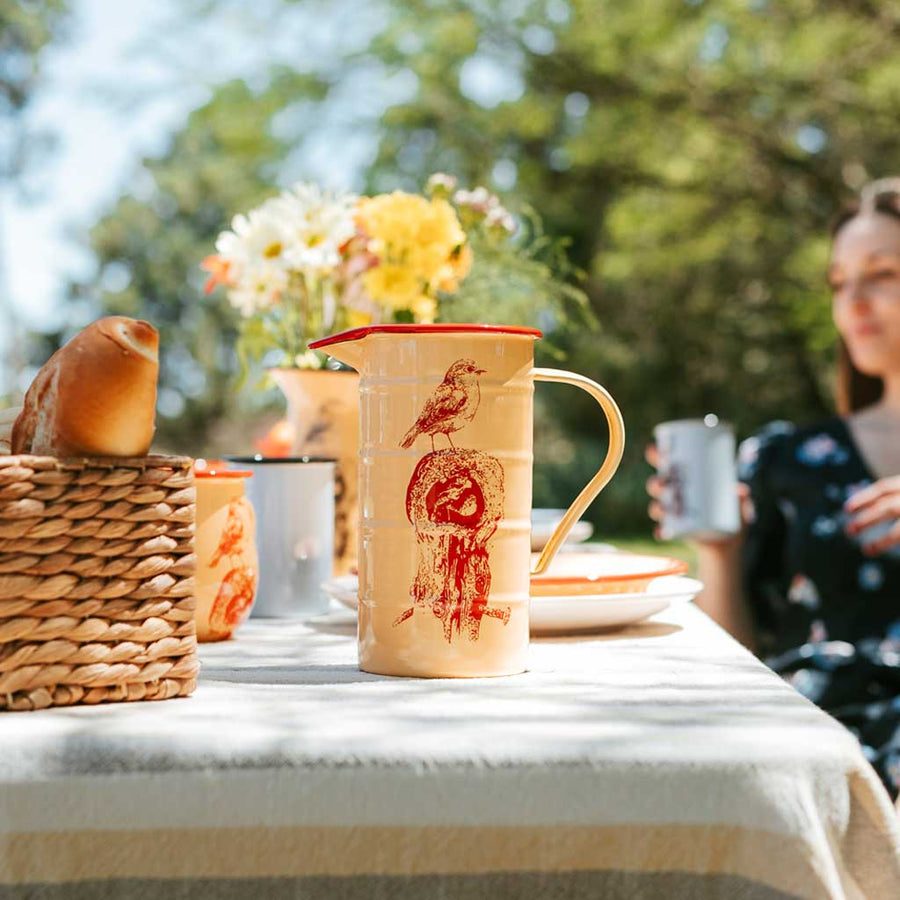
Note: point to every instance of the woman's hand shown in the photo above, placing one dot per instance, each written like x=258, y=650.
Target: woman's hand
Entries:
x=718, y=563
x=656, y=486
x=878, y=504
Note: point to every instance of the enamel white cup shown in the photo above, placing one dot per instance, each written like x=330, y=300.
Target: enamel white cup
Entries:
x=697, y=465
x=294, y=503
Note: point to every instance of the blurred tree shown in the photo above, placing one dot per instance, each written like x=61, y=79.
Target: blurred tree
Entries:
x=693, y=149
x=695, y=152
x=149, y=246
x=25, y=30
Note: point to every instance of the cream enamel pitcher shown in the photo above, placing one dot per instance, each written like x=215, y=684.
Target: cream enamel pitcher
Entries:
x=445, y=460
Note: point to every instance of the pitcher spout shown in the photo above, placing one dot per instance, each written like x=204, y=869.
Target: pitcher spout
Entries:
x=347, y=347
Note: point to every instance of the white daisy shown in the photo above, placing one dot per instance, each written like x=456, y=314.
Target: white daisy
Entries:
x=259, y=287
x=257, y=239
x=316, y=223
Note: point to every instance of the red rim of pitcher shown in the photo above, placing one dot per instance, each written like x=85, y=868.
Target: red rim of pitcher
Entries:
x=357, y=334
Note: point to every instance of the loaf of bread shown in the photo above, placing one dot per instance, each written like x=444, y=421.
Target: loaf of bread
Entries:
x=96, y=396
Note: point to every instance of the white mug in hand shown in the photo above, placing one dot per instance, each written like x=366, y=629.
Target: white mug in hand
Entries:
x=697, y=466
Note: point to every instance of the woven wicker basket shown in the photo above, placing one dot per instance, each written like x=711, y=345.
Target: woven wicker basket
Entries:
x=96, y=580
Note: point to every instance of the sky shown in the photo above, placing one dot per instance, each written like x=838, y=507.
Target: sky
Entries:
x=81, y=99
x=98, y=144
x=123, y=80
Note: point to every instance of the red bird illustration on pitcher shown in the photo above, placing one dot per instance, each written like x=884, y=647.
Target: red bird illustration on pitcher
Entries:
x=454, y=500
x=452, y=405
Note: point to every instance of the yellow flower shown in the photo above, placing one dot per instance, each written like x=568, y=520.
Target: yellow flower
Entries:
x=424, y=309
x=397, y=286
x=420, y=246
x=455, y=269
x=358, y=319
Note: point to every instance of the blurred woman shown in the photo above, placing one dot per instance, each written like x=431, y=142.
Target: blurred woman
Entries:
x=813, y=582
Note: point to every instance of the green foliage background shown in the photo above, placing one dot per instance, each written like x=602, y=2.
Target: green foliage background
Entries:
x=694, y=150
x=25, y=29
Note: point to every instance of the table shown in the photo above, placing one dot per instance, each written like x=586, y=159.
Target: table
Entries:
x=660, y=761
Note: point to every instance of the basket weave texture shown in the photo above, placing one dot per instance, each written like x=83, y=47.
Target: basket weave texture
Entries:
x=96, y=580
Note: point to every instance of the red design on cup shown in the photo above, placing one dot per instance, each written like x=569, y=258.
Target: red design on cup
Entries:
x=237, y=589
x=233, y=600
x=230, y=544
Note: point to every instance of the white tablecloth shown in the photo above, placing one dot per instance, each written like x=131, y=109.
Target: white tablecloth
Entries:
x=661, y=761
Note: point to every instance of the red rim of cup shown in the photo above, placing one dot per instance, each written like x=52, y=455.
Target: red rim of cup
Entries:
x=218, y=468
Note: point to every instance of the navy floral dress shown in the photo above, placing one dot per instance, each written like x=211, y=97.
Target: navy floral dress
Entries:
x=827, y=616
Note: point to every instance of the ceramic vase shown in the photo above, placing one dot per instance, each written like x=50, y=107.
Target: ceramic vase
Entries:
x=323, y=409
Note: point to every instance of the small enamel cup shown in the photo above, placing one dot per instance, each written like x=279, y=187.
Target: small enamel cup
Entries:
x=227, y=569
x=294, y=502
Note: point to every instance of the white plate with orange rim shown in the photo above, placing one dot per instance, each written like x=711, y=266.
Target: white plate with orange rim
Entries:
x=590, y=574
x=566, y=613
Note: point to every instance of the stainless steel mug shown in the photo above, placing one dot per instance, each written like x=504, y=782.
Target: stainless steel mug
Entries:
x=294, y=503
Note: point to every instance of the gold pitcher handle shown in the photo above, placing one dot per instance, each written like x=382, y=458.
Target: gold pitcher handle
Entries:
x=606, y=471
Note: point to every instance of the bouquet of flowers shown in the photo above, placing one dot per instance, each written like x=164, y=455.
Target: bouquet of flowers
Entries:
x=313, y=261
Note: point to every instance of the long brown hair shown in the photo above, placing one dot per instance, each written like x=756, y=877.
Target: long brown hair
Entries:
x=854, y=389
